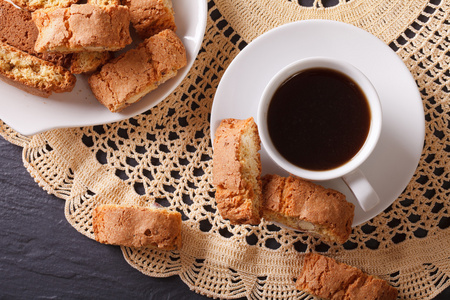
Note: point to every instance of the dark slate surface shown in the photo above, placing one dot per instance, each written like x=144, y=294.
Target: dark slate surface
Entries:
x=43, y=257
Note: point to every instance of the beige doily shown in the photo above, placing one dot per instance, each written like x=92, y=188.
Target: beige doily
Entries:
x=164, y=155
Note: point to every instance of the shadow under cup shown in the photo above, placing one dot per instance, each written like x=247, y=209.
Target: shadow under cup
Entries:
x=293, y=123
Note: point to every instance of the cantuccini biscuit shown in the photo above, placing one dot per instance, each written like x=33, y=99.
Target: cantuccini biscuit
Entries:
x=133, y=226
x=237, y=171
x=326, y=278
x=18, y=30
x=129, y=77
x=32, y=74
x=307, y=206
x=149, y=17
x=33, y=5
x=82, y=27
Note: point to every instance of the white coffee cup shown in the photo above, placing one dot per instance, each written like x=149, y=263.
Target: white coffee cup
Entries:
x=349, y=171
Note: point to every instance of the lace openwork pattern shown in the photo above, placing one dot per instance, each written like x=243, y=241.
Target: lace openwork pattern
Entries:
x=165, y=156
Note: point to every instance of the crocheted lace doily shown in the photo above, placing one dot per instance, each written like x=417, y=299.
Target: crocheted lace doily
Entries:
x=165, y=155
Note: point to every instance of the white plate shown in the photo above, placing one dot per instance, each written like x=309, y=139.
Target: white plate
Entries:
x=29, y=114
x=394, y=160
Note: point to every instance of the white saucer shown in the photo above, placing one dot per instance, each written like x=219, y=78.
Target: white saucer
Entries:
x=29, y=114
x=394, y=160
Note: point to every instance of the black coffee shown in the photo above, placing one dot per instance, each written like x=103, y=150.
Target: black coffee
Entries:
x=318, y=119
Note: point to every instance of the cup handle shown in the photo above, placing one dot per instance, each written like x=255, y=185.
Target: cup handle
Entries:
x=362, y=189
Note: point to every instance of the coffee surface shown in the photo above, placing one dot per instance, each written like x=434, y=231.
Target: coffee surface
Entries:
x=318, y=119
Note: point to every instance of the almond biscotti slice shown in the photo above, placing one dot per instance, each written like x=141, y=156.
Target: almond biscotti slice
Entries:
x=308, y=207
x=237, y=171
x=82, y=27
x=134, y=226
x=33, y=5
x=149, y=17
x=326, y=278
x=135, y=73
x=32, y=74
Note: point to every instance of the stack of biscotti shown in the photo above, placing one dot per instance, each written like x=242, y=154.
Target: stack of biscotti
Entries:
x=89, y=61
x=137, y=227
x=18, y=30
x=243, y=197
x=88, y=31
x=326, y=278
x=129, y=77
x=82, y=37
x=20, y=65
